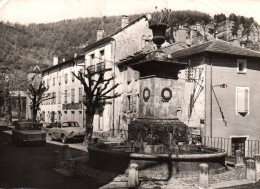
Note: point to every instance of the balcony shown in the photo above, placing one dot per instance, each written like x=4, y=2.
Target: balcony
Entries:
x=91, y=69
x=72, y=106
x=100, y=66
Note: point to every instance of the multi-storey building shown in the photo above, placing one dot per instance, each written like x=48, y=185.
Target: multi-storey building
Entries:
x=130, y=37
x=213, y=86
x=66, y=90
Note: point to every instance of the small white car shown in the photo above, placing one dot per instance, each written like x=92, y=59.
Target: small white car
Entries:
x=69, y=130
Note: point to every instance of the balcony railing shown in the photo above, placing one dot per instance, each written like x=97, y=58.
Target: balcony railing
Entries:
x=72, y=106
x=91, y=68
x=100, y=66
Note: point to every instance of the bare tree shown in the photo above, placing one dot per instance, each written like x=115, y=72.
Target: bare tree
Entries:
x=36, y=91
x=97, y=92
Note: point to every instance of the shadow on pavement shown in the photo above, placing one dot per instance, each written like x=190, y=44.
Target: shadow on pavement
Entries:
x=30, y=166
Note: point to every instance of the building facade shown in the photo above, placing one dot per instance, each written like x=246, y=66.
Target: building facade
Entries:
x=216, y=92
x=66, y=90
x=103, y=54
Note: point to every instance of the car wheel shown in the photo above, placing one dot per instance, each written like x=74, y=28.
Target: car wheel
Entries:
x=63, y=139
x=43, y=142
x=50, y=137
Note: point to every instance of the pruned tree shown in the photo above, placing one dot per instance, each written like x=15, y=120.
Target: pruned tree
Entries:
x=96, y=92
x=36, y=91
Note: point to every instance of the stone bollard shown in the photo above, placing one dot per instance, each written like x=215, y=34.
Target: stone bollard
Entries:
x=133, y=177
x=203, y=176
x=257, y=166
x=239, y=158
x=56, y=160
x=250, y=170
x=66, y=152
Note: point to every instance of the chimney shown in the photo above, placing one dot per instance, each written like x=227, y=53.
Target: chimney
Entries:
x=100, y=34
x=125, y=21
x=55, y=60
x=180, y=35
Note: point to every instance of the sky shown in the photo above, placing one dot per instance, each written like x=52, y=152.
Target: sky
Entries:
x=44, y=11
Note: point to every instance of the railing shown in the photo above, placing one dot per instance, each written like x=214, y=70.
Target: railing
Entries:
x=252, y=147
x=112, y=134
x=100, y=66
x=91, y=68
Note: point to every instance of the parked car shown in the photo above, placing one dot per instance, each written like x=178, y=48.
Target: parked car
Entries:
x=47, y=126
x=28, y=132
x=69, y=130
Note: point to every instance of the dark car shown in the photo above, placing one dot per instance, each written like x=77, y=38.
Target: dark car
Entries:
x=28, y=132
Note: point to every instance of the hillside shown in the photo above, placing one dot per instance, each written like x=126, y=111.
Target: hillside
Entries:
x=23, y=46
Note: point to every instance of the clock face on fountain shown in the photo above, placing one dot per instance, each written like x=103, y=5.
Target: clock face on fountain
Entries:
x=166, y=95
x=146, y=94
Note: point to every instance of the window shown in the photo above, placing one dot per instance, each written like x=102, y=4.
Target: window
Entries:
x=241, y=66
x=80, y=95
x=53, y=81
x=59, y=97
x=102, y=56
x=72, y=76
x=238, y=144
x=65, y=97
x=66, y=78
x=92, y=59
x=54, y=98
x=59, y=80
x=81, y=70
x=130, y=103
x=72, y=95
x=242, y=100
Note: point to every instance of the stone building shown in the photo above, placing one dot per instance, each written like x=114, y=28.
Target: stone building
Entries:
x=67, y=104
x=66, y=90
x=212, y=87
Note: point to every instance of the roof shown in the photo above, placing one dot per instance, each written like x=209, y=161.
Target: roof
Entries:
x=36, y=69
x=110, y=37
x=64, y=63
x=216, y=46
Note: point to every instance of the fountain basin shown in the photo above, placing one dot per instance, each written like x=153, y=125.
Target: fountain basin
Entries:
x=117, y=158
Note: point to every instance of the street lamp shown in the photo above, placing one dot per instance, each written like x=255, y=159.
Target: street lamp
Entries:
x=223, y=85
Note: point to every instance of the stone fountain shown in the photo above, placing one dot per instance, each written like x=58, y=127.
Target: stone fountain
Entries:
x=157, y=140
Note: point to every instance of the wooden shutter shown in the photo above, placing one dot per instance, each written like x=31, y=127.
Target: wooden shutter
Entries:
x=134, y=103
x=131, y=104
x=242, y=100
x=124, y=103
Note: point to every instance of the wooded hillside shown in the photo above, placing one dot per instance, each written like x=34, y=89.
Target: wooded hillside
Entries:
x=23, y=46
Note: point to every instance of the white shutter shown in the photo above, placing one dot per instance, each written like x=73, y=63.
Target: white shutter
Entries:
x=242, y=100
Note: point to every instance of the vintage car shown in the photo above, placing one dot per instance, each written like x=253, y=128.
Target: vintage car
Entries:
x=28, y=132
x=69, y=130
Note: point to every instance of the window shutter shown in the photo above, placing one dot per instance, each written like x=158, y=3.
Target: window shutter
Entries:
x=134, y=102
x=125, y=103
x=242, y=100
x=131, y=103
x=246, y=100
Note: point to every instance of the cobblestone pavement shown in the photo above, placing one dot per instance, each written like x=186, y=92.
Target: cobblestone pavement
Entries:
x=232, y=174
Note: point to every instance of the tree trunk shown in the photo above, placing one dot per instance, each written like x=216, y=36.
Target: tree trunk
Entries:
x=34, y=111
x=89, y=125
